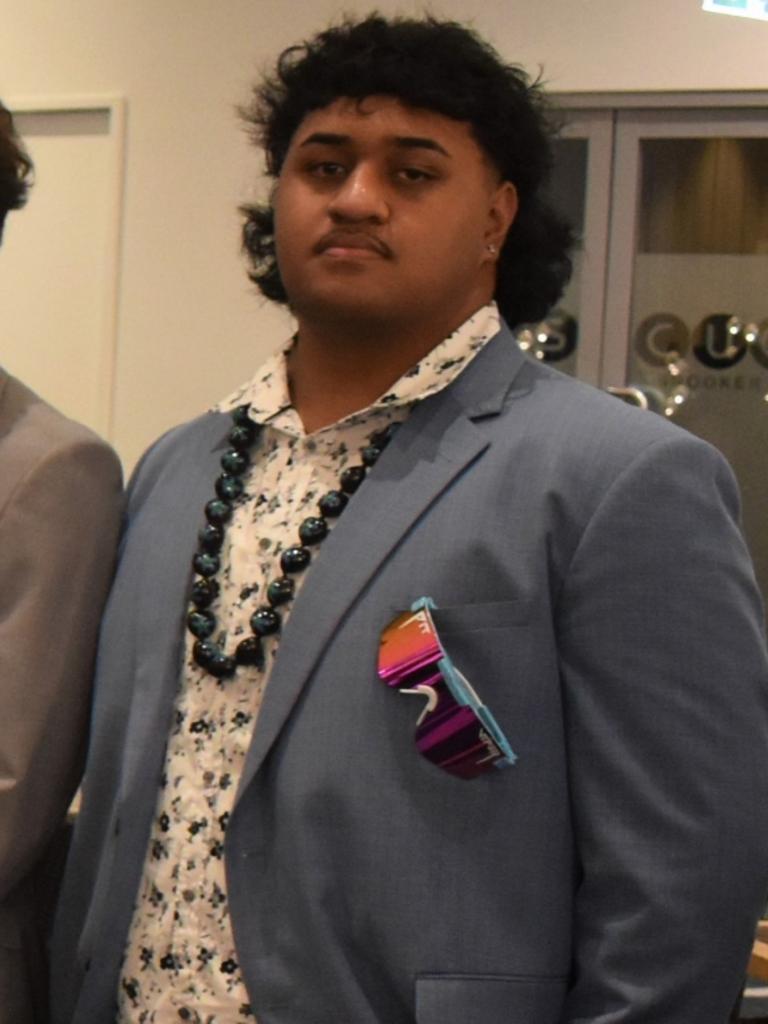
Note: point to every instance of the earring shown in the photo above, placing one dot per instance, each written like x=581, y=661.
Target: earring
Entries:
x=491, y=249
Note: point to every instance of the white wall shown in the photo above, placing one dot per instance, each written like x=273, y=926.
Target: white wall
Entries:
x=189, y=326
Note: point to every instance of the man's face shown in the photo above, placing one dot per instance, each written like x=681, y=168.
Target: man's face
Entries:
x=388, y=214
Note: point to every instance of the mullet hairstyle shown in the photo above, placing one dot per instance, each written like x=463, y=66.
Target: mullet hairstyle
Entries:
x=15, y=168
x=440, y=66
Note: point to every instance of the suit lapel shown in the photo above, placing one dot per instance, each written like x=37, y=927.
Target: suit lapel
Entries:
x=436, y=443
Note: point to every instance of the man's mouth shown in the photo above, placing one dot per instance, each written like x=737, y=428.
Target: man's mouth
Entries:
x=351, y=243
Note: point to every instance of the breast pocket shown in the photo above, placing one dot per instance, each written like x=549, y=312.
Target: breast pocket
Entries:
x=503, y=649
x=481, y=616
x=484, y=999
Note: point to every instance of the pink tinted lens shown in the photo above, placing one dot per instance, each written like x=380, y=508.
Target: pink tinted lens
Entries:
x=454, y=738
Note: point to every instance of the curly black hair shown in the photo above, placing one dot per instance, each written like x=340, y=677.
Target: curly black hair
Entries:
x=435, y=65
x=15, y=168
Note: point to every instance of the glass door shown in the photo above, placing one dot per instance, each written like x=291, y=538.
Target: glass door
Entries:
x=686, y=314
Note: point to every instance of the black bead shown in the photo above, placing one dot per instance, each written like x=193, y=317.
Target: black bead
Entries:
x=235, y=462
x=265, y=621
x=381, y=438
x=351, y=478
x=280, y=591
x=242, y=436
x=221, y=665
x=313, y=530
x=203, y=652
x=218, y=512
x=333, y=504
x=240, y=415
x=211, y=658
x=249, y=652
x=229, y=487
x=201, y=624
x=205, y=565
x=370, y=454
x=204, y=592
x=295, y=559
x=211, y=537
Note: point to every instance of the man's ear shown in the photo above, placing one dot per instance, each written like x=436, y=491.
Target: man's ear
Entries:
x=501, y=215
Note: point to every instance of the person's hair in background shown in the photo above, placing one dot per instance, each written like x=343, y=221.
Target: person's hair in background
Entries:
x=435, y=65
x=15, y=168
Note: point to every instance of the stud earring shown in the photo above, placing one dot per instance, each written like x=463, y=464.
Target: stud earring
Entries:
x=491, y=249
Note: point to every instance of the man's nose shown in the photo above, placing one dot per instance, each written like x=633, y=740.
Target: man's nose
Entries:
x=360, y=197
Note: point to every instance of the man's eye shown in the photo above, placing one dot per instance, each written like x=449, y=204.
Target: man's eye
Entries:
x=326, y=169
x=414, y=174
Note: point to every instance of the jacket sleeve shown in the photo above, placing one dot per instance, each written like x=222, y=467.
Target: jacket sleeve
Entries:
x=58, y=533
x=664, y=674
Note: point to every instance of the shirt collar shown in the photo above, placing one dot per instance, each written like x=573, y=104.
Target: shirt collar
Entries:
x=268, y=395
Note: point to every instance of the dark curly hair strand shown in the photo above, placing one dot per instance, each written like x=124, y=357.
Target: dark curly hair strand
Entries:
x=15, y=168
x=435, y=65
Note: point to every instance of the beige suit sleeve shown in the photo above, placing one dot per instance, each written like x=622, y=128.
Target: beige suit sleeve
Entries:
x=58, y=533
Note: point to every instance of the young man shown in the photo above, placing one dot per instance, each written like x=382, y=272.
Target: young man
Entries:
x=60, y=503
x=270, y=830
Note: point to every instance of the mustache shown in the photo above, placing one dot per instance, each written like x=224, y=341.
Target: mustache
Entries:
x=345, y=238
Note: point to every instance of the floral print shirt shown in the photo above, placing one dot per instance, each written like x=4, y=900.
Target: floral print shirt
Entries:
x=180, y=961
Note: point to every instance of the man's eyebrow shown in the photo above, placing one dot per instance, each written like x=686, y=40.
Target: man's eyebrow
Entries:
x=402, y=141
x=326, y=139
x=417, y=142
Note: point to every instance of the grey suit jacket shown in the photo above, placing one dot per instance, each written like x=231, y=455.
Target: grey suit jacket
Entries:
x=60, y=505
x=594, y=587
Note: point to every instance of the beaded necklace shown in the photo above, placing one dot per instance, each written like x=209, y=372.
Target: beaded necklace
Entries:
x=266, y=620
